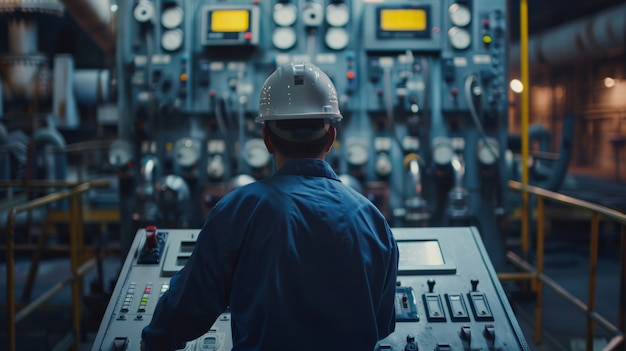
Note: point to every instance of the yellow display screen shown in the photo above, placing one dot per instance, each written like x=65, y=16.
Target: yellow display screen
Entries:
x=230, y=21
x=392, y=20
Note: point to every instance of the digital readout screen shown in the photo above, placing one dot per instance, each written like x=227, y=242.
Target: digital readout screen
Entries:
x=230, y=21
x=420, y=253
x=403, y=20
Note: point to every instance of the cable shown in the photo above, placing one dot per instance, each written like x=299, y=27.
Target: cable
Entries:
x=389, y=106
x=474, y=113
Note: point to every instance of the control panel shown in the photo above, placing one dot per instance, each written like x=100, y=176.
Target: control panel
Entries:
x=421, y=86
x=447, y=296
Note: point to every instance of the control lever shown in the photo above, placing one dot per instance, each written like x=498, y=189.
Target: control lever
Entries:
x=466, y=334
x=411, y=344
x=431, y=284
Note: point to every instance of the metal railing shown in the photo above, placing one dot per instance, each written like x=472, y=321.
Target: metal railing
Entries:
x=539, y=279
x=77, y=268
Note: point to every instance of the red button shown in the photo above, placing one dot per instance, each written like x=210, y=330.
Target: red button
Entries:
x=350, y=75
x=247, y=36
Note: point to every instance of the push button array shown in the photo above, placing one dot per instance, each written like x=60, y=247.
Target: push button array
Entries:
x=144, y=298
x=129, y=297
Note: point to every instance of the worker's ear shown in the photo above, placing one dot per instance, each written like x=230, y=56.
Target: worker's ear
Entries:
x=268, y=141
x=333, y=134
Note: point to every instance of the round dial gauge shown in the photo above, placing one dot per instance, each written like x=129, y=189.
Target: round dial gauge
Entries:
x=357, y=153
x=383, y=165
x=285, y=14
x=120, y=153
x=172, y=17
x=187, y=152
x=459, y=15
x=284, y=38
x=256, y=154
x=442, y=151
x=337, y=38
x=459, y=38
x=312, y=14
x=172, y=39
x=337, y=15
x=215, y=167
x=488, y=152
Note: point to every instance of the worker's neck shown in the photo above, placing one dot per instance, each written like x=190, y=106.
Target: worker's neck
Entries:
x=280, y=160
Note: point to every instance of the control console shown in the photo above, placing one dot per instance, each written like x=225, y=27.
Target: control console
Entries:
x=448, y=296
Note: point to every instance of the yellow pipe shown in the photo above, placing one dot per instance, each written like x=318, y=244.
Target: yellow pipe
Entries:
x=525, y=116
x=593, y=265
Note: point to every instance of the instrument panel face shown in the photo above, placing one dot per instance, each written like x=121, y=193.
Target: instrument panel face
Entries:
x=448, y=298
x=424, y=80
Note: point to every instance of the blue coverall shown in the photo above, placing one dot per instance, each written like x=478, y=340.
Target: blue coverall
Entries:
x=303, y=261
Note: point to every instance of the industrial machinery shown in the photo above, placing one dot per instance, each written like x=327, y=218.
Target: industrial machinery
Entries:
x=421, y=86
x=448, y=296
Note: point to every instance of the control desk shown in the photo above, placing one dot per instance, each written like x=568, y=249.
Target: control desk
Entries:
x=448, y=296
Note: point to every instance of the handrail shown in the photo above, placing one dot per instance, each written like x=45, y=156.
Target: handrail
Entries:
x=76, y=228
x=539, y=278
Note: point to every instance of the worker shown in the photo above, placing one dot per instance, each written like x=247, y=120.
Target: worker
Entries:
x=299, y=259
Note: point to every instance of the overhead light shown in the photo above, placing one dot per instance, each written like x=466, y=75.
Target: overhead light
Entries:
x=114, y=7
x=609, y=82
x=516, y=85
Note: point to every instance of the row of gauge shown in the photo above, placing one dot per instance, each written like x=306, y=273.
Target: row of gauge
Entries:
x=285, y=15
x=186, y=153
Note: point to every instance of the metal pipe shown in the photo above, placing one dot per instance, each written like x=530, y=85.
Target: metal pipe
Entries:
x=537, y=283
x=587, y=38
x=94, y=17
x=593, y=267
x=458, y=166
x=22, y=36
x=525, y=78
x=622, y=281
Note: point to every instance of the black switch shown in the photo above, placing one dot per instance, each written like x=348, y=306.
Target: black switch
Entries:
x=449, y=70
x=120, y=343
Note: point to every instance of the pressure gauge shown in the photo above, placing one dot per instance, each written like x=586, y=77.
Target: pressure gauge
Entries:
x=172, y=39
x=120, y=153
x=337, y=38
x=357, y=153
x=256, y=154
x=284, y=38
x=488, y=151
x=187, y=152
x=215, y=167
x=459, y=38
x=442, y=151
x=285, y=14
x=383, y=165
x=172, y=17
x=459, y=15
x=337, y=15
x=312, y=14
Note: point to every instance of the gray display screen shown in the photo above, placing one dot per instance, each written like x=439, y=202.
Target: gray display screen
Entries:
x=420, y=253
x=425, y=257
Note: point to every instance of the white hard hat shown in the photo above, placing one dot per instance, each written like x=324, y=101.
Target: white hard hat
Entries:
x=298, y=91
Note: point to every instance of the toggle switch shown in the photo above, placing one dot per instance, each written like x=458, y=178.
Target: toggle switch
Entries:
x=490, y=331
x=466, y=333
x=474, y=284
x=431, y=284
x=120, y=343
